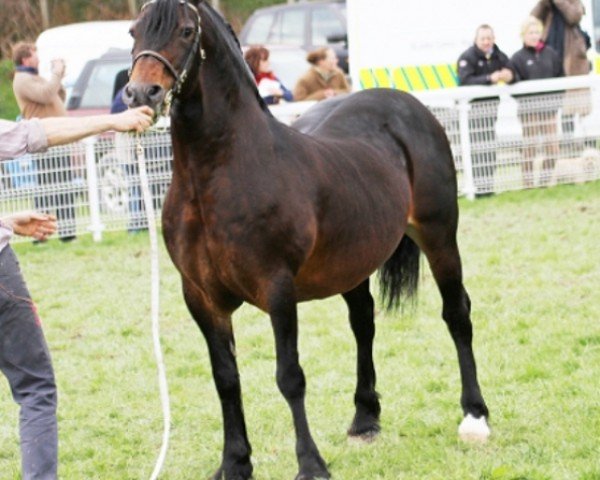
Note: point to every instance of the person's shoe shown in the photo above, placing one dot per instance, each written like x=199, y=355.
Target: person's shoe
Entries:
x=68, y=238
x=37, y=242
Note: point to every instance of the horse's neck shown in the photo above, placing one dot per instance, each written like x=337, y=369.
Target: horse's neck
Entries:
x=223, y=101
x=213, y=125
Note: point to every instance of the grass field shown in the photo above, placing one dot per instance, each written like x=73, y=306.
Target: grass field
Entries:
x=531, y=264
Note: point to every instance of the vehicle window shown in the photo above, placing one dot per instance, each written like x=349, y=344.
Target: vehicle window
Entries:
x=259, y=30
x=288, y=28
x=98, y=91
x=325, y=22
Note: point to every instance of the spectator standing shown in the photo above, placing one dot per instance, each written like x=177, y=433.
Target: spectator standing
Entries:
x=562, y=32
x=483, y=64
x=269, y=86
x=324, y=79
x=560, y=19
x=41, y=98
x=24, y=356
x=535, y=61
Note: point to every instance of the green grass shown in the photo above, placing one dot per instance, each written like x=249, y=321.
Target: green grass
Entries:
x=531, y=267
x=8, y=105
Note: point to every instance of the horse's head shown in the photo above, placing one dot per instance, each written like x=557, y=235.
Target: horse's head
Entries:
x=166, y=50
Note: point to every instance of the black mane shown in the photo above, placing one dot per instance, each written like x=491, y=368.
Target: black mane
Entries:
x=226, y=33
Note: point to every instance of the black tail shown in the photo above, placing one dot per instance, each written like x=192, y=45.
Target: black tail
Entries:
x=399, y=276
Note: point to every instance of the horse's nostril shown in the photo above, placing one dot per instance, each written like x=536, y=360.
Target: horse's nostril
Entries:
x=154, y=91
x=128, y=95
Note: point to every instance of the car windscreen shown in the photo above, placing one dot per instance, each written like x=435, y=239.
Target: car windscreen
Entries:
x=99, y=88
x=327, y=22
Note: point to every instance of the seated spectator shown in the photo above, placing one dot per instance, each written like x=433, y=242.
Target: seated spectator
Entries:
x=269, y=86
x=324, y=79
x=536, y=61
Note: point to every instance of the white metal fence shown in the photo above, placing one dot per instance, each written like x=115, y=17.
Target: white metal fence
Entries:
x=533, y=134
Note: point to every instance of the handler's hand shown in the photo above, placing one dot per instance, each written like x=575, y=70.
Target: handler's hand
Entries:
x=32, y=224
x=138, y=119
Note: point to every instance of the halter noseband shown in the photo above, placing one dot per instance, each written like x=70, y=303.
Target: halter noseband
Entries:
x=179, y=77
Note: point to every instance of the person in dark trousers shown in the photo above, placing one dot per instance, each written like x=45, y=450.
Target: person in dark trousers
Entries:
x=24, y=356
x=121, y=80
x=483, y=64
x=538, y=115
x=41, y=98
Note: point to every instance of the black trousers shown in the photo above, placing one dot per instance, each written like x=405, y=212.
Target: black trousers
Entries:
x=26, y=363
x=55, y=177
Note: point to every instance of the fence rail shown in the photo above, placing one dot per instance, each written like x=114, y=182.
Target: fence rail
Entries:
x=530, y=135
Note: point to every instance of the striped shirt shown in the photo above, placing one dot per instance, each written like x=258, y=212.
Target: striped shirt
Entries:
x=17, y=138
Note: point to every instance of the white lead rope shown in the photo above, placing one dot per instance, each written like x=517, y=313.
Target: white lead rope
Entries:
x=154, y=307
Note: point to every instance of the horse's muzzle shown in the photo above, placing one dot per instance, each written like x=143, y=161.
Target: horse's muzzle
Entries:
x=138, y=94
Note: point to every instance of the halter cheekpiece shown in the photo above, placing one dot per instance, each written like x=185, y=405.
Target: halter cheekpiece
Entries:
x=179, y=77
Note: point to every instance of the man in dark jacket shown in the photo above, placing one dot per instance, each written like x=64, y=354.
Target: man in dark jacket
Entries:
x=483, y=64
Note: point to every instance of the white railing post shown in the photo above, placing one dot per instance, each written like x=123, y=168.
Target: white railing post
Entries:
x=465, y=147
x=96, y=226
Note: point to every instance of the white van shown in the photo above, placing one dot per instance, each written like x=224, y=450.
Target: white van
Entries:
x=79, y=42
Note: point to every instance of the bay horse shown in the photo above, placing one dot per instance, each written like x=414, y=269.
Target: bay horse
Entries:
x=262, y=213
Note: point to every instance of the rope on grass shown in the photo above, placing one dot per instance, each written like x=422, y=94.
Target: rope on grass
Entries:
x=154, y=308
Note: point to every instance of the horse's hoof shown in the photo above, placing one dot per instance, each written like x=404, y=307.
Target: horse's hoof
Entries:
x=473, y=429
x=321, y=476
x=315, y=469
x=220, y=475
x=365, y=437
x=364, y=429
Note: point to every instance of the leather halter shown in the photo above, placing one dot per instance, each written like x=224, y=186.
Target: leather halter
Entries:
x=179, y=77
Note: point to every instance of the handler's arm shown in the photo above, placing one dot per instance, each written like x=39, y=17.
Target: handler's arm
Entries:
x=62, y=130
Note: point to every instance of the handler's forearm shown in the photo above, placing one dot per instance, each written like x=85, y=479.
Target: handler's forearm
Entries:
x=64, y=130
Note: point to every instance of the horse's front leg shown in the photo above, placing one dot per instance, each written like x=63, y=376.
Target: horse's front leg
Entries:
x=290, y=377
x=218, y=332
x=365, y=424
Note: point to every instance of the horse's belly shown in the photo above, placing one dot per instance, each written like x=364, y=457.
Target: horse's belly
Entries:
x=339, y=271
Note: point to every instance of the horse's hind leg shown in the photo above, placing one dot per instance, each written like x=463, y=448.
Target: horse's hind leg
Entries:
x=439, y=245
x=361, y=308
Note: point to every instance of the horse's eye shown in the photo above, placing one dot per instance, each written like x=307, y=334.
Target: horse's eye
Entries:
x=131, y=33
x=187, y=32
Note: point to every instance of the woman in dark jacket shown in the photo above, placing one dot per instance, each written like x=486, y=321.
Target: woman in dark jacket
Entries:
x=537, y=61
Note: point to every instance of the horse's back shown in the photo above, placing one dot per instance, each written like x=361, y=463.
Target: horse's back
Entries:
x=365, y=112
x=397, y=120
